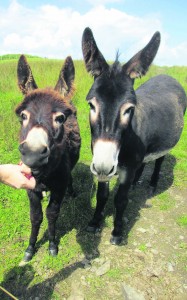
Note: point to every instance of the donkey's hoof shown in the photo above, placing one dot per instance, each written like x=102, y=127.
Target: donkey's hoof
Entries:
x=28, y=254
x=116, y=240
x=53, y=250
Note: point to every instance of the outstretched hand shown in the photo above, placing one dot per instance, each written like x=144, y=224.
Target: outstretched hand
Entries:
x=17, y=176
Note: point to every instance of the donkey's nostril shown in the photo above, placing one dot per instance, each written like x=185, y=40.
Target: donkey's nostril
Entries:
x=44, y=151
x=102, y=170
x=94, y=169
x=21, y=148
x=111, y=171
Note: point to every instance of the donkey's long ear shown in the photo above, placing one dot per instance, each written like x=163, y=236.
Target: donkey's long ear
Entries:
x=94, y=60
x=138, y=65
x=26, y=80
x=66, y=78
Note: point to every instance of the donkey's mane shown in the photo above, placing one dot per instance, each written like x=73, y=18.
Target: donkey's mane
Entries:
x=116, y=67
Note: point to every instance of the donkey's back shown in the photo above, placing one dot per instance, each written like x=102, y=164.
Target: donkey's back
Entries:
x=161, y=104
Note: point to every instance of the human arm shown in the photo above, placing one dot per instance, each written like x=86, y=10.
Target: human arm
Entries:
x=17, y=176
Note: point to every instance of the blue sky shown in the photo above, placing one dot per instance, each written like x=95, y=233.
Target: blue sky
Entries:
x=54, y=28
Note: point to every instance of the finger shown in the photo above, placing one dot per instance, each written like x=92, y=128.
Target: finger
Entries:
x=30, y=183
x=25, y=169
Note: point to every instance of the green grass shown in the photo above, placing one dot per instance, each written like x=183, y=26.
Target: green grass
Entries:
x=164, y=201
x=75, y=213
x=182, y=221
x=143, y=247
x=114, y=273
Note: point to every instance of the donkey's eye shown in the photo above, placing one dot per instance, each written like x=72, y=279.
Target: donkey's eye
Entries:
x=92, y=107
x=129, y=110
x=23, y=116
x=60, y=119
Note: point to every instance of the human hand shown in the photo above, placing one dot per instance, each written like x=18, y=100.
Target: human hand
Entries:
x=17, y=176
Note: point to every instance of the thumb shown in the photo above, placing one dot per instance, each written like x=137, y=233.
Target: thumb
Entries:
x=25, y=169
x=31, y=183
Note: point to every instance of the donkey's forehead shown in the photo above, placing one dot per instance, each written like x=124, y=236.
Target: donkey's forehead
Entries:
x=112, y=88
x=45, y=101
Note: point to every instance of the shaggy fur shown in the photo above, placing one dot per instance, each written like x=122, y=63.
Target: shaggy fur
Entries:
x=63, y=145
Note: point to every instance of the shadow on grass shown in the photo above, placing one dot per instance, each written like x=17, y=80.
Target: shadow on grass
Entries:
x=75, y=214
x=18, y=279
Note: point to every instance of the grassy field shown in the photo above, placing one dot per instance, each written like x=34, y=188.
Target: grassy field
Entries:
x=45, y=273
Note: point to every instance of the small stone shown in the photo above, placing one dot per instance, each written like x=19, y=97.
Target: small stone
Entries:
x=93, y=269
x=153, y=272
x=100, y=260
x=170, y=267
x=103, y=269
x=181, y=237
x=23, y=263
x=154, y=251
x=140, y=229
x=130, y=293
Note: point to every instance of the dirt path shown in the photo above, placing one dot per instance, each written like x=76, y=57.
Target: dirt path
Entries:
x=152, y=265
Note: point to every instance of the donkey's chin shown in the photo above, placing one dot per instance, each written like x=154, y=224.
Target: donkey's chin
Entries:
x=103, y=178
x=33, y=164
x=104, y=175
x=36, y=172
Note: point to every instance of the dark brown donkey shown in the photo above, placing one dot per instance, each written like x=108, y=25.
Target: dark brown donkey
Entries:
x=129, y=128
x=49, y=144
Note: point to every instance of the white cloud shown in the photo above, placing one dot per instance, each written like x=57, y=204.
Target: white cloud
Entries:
x=50, y=31
x=102, y=2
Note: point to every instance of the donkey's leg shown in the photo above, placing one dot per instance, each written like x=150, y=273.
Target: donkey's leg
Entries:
x=36, y=217
x=126, y=176
x=52, y=213
x=156, y=172
x=102, y=196
x=138, y=174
